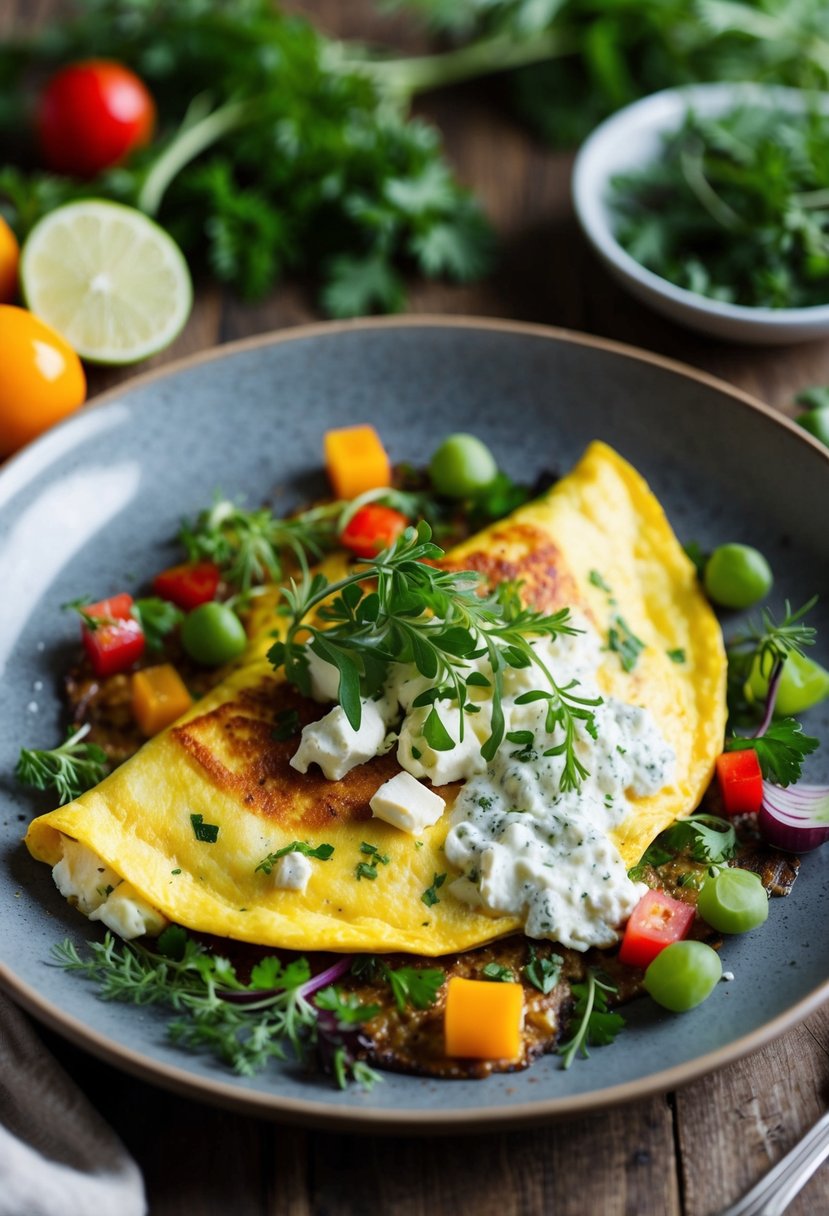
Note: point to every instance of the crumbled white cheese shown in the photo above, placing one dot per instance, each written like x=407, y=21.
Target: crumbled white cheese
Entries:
x=407, y=804
x=82, y=877
x=336, y=746
x=127, y=914
x=292, y=872
x=727, y=977
x=324, y=678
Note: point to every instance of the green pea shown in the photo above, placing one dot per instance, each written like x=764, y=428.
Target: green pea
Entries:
x=212, y=634
x=733, y=901
x=803, y=683
x=683, y=975
x=462, y=466
x=816, y=422
x=737, y=576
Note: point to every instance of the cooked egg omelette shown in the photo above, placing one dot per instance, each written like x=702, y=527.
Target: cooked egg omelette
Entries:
x=182, y=828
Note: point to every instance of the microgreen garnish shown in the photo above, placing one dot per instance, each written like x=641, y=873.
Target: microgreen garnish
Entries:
x=70, y=769
x=497, y=973
x=207, y=833
x=706, y=838
x=430, y=896
x=780, y=749
x=244, y=1025
x=322, y=852
x=597, y=1026
x=435, y=619
x=543, y=972
x=157, y=619
x=250, y=546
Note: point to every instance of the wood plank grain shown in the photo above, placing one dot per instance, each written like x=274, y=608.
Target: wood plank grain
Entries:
x=735, y=1124
x=615, y=1164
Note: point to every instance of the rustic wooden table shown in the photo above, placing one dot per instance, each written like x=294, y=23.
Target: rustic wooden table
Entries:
x=690, y=1152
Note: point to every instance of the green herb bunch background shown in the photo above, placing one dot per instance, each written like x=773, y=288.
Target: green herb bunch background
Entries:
x=307, y=169
x=282, y=152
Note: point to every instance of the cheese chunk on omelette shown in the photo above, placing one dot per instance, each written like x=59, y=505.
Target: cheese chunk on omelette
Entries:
x=187, y=821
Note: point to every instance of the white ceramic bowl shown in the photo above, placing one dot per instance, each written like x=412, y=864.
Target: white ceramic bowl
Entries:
x=631, y=139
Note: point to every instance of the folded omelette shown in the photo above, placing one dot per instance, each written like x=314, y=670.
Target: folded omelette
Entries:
x=225, y=762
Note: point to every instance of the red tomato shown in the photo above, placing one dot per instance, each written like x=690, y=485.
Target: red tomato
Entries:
x=189, y=584
x=371, y=529
x=114, y=644
x=740, y=779
x=656, y=922
x=91, y=115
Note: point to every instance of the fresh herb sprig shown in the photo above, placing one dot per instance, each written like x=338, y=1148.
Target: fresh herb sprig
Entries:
x=765, y=645
x=734, y=208
x=543, y=972
x=246, y=1025
x=70, y=769
x=414, y=987
x=436, y=620
x=596, y=1025
x=781, y=749
x=250, y=547
x=706, y=838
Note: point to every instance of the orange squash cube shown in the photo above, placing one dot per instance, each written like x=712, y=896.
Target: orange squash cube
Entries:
x=356, y=461
x=483, y=1020
x=159, y=696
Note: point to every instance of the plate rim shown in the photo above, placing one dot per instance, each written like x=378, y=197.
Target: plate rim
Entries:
x=312, y=1113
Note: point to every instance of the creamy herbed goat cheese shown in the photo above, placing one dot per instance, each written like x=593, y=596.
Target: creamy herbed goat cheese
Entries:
x=524, y=846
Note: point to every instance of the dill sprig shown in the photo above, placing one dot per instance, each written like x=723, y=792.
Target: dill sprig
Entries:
x=438, y=621
x=250, y=547
x=244, y=1025
x=69, y=769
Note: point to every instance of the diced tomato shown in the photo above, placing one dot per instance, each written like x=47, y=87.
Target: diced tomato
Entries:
x=372, y=528
x=188, y=585
x=111, y=637
x=740, y=780
x=656, y=922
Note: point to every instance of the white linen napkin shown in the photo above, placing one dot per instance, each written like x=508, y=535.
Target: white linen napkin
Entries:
x=58, y=1157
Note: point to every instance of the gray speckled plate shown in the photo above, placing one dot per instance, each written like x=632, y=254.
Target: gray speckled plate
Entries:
x=94, y=504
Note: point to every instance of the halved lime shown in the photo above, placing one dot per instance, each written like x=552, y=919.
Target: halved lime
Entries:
x=108, y=279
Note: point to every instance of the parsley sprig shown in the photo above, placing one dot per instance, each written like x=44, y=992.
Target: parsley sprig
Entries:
x=780, y=749
x=438, y=621
x=246, y=1025
x=706, y=838
x=416, y=987
x=596, y=1025
x=70, y=769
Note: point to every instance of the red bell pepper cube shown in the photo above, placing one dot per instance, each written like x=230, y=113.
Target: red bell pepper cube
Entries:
x=112, y=638
x=740, y=779
x=188, y=585
x=656, y=922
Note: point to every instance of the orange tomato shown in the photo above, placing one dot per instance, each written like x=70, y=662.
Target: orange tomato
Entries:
x=9, y=260
x=41, y=378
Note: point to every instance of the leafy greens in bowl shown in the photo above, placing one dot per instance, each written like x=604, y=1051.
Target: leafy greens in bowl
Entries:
x=711, y=204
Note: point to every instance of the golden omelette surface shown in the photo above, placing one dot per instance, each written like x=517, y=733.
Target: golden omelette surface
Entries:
x=221, y=761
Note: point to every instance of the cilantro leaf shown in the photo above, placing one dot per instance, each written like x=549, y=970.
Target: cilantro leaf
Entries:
x=780, y=749
x=415, y=986
x=543, y=973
